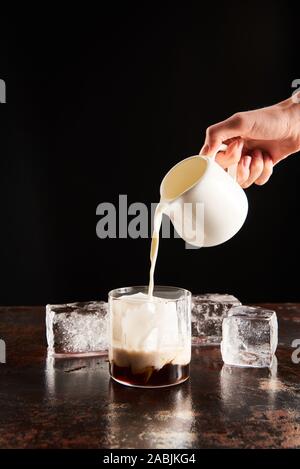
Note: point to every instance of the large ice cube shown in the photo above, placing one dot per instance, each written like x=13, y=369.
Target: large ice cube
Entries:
x=77, y=328
x=208, y=312
x=250, y=337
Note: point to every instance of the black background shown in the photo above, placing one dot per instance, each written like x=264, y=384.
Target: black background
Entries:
x=103, y=102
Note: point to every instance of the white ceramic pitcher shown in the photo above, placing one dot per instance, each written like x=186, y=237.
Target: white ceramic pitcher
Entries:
x=205, y=203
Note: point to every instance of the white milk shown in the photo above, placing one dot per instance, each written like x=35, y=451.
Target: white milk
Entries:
x=154, y=244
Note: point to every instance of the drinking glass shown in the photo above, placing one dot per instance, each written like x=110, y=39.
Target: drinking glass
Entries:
x=149, y=336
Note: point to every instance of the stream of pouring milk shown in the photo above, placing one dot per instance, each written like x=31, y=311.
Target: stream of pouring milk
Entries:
x=155, y=243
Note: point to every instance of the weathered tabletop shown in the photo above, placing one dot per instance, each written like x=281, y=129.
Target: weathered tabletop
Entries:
x=47, y=403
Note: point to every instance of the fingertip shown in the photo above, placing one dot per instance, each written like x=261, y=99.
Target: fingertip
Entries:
x=243, y=170
x=267, y=171
x=232, y=155
x=222, y=159
x=246, y=161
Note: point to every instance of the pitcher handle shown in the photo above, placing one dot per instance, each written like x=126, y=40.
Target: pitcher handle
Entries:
x=232, y=170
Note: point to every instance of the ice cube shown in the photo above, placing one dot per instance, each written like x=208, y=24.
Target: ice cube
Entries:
x=141, y=323
x=77, y=328
x=249, y=337
x=208, y=312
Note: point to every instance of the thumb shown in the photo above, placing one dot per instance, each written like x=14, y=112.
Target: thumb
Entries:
x=218, y=133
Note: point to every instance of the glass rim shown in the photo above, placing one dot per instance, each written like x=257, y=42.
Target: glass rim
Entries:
x=183, y=291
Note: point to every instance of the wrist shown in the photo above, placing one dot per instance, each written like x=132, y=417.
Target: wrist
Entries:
x=290, y=111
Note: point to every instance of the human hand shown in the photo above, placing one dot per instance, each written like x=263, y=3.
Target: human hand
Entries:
x=257, y=140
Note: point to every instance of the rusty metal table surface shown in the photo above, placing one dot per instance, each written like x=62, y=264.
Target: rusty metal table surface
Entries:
x=47, y=403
